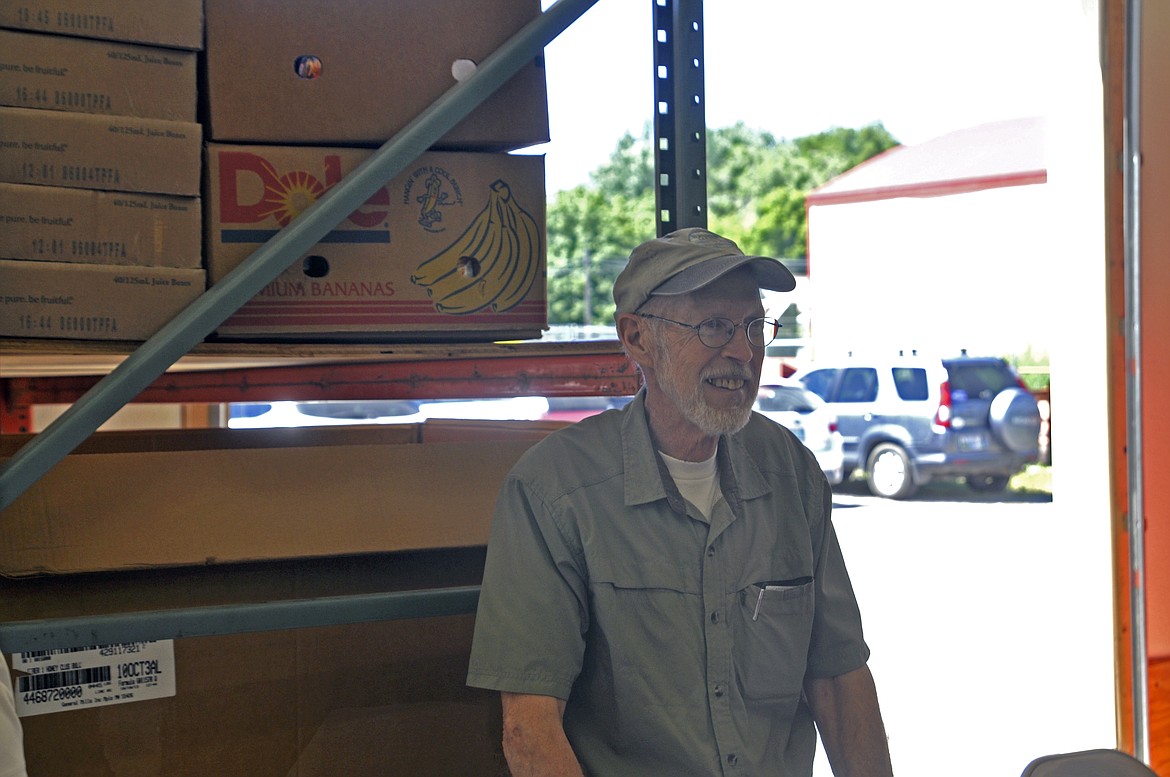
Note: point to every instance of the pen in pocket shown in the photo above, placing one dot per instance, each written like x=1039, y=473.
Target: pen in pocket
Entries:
x=777, y=585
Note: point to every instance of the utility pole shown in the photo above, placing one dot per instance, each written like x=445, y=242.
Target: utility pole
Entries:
x=586, y=267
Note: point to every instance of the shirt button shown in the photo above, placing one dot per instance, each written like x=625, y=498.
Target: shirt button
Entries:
x=715, y=617
x=732, y=759
x=711, y=552
x=718, y=691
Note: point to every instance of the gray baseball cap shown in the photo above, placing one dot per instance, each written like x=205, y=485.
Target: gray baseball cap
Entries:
x=686, y=260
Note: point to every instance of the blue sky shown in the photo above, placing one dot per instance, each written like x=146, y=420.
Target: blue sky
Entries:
x=796, y=67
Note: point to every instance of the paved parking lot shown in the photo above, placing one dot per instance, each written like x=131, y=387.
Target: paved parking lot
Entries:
x=990, y=620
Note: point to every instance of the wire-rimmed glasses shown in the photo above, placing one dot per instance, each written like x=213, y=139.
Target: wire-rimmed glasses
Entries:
x=717, y=332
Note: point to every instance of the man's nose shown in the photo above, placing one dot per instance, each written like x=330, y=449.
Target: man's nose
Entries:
x=738, y=347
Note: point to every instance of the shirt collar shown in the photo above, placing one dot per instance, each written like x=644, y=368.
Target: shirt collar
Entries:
x=646, y=477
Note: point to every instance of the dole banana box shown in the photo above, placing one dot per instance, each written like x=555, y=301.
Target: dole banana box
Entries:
x=57, y=73
x=453, y=248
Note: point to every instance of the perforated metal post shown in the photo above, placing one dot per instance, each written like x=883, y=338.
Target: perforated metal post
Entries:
x=680, y=120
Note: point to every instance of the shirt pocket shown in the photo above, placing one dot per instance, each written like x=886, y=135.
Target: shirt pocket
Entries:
x=773, y=629
x=643, y=621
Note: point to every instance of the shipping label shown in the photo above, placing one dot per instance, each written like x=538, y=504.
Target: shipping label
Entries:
x=80, y=678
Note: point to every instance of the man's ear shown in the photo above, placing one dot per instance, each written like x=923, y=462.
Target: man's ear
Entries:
x=631, y=330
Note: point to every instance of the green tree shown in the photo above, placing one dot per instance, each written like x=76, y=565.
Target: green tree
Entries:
x=630, y=169
x=756, y=187
x=590, y=235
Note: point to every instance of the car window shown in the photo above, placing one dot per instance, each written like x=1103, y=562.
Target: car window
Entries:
x=911, y=383
x=787, y=398
x=979, y=380
x=820, y=382
x=858, y=384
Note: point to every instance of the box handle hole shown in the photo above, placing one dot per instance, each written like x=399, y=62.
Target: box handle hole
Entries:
x=307, y=66
x=315, y=266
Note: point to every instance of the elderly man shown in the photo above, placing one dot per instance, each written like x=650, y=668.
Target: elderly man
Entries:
x=664, y=592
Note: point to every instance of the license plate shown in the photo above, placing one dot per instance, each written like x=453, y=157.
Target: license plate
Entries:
x=972, y=442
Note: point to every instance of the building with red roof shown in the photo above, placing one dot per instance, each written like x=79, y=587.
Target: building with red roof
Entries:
x=938, y=247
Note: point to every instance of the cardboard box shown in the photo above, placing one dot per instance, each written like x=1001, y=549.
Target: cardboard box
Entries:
x=299, y=71
x=88, y=151
x=363, y=700
x=137, y=441
x=452, y=248
x=52, y=223
x=177, y=24
x=88, y=76
x=92, y=302
x=160, y=508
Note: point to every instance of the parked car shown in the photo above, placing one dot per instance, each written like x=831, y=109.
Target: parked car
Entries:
x=267, y=415
x=909, y=419
x=260, y=415
x=576, y=408
x=805, y=414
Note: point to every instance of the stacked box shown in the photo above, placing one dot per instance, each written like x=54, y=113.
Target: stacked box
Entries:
x=90, y=76
x=301, y=71
x=100, y=158
x=178, y=24
x=452, y=248
x=93, y=151
x=298, y=85
x=55, y=224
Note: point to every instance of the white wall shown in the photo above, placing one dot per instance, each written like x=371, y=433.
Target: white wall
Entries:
x=918, y=273
x=939, y=274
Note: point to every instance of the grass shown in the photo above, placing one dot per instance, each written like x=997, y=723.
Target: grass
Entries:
x=1032, y=484
x=1035, y=479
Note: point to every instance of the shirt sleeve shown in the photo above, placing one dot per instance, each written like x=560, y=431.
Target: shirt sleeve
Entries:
x=533, y=605
x=838, y=645
x=11, y=739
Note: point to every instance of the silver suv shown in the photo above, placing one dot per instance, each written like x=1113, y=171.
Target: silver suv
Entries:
x=909, y=419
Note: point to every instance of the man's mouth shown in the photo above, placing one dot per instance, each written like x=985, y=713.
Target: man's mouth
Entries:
x=727, y=383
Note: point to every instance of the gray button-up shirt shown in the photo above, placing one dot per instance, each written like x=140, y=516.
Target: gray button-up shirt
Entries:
x=680, y=645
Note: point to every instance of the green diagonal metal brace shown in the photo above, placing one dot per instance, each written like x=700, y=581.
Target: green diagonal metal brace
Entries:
x=218, y=620
x=199, y=319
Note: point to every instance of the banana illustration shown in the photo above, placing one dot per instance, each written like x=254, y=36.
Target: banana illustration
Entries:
x=493, y=263
x=468, y=245
x=462, y=268
x=429, y=202
x=459, y=284
x=525, y=272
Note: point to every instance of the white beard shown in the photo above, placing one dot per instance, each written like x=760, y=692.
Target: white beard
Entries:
x=688, y=397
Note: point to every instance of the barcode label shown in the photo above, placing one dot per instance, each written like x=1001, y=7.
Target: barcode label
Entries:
x=44, y=682
x=79, y=678
x=45, y=655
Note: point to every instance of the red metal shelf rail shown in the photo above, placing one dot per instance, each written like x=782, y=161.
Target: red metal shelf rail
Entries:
x=573, y=371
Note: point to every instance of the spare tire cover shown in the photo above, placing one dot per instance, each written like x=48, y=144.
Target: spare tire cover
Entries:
x=1015, y=420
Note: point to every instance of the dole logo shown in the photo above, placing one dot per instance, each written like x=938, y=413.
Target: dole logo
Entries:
x=282, y=196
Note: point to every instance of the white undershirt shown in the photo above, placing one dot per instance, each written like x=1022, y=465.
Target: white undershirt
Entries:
x=697, y=481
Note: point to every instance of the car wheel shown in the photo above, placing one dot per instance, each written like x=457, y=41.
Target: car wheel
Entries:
x=1015, y=420
x=888, y=472
x=991, y=484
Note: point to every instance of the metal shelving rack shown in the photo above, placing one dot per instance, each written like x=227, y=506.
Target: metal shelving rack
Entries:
x=384, y=372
